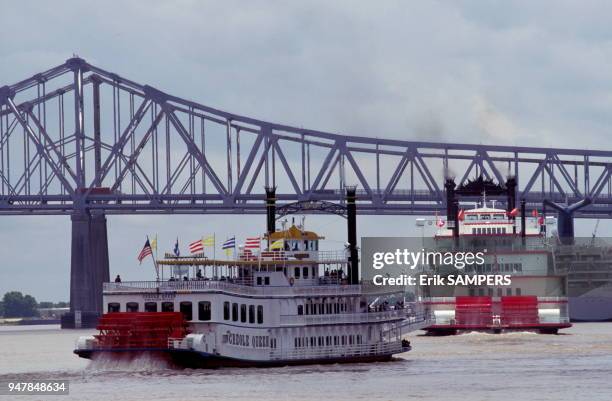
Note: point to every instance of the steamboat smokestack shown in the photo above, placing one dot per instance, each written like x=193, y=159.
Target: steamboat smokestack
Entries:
x=511, y=203
x=523, y=225
x=271, y=209
x=351, y=215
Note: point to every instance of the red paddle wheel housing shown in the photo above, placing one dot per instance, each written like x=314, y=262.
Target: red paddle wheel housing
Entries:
x=519, y=310
x=473, y=311
x=140, y=329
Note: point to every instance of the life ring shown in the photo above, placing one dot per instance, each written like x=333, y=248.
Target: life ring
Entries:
x=291, y=281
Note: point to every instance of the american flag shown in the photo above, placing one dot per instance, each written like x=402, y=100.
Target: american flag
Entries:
x=196, y=246
x=146, y=251
x=252, y=243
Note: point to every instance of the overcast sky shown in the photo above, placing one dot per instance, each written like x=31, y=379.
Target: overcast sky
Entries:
x=526, y=73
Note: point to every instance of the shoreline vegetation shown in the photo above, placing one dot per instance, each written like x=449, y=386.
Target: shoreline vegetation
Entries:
x=19, y=309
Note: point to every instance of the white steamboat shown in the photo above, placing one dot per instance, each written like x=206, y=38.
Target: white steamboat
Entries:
x=268, y=308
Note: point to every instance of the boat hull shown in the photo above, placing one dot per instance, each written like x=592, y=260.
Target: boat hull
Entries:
x=201, y=360
x=440, y=330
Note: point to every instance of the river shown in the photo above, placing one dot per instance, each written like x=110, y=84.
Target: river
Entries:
x=576, y=365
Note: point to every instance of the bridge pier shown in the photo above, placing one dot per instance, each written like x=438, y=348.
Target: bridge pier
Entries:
x=89, y=268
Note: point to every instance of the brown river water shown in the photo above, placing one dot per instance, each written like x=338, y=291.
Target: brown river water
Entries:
x=576, y=365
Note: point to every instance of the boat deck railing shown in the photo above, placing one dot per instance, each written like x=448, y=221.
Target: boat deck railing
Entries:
x=330, y=352
x=239, y=289
x=364, y=317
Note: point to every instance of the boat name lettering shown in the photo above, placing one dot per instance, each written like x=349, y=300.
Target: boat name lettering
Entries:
x=246, y=340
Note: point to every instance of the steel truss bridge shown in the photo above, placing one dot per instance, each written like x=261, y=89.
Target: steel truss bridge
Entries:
x=81, y=141
x=77, y=137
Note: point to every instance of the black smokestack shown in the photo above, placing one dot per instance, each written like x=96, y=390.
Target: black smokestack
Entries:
x=511, y=188
x=271, y=209
x=523, y=225
x=351, y=217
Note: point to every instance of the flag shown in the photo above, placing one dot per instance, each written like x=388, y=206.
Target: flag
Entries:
x=278, y=244
x=177, y=251
x=513, y=213
x=439, y=221
x=229, y=243
x=146, y=251
x=208, y=241
x=461, y=215
x=196, y=246
x=252, y=243
x=154, y=243
x=534, y=213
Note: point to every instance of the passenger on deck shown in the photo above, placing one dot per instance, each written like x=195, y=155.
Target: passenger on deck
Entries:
x=118, y=279
x=199, y=274
x=185, y=278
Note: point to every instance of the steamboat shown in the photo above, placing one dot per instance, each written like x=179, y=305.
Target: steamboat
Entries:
x=533, y=294
x=268, y=307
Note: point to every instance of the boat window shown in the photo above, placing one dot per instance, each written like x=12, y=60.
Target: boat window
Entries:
x=235, y=312
x=150, y=306
x=300, y=310
x=485, y=216
x=186, y=310
x=508, y=291
x=259, y=314
x=226, y=310
x=305, y=272
x=243, y=313
x=131, y=307
x=499, y=216
x=251, y=313
x=471, y=217
x=113, y=307
x=204, y=312
x=473, y=231
x=167, y=307
x=297, y=272
x=266, y=280
x=518, y=291
x=258, y=280
x=503, y=230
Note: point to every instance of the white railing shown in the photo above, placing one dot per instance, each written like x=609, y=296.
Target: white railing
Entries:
x=328, y=352
x=493, y=299
x=211, y=285
x=301, y=320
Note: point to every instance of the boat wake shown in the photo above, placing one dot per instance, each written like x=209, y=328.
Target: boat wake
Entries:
x=144, y=362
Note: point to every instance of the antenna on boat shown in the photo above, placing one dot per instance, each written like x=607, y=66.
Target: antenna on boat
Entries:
x=484, y=198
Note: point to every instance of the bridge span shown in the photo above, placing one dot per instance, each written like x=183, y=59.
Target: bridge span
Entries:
x=81, y=141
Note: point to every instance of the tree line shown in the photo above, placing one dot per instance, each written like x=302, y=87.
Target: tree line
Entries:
x=16, y=304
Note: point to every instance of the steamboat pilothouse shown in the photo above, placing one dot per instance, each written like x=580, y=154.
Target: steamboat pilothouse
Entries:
x=274, y=307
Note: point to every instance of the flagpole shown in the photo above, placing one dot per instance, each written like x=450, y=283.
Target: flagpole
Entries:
x=154, y=259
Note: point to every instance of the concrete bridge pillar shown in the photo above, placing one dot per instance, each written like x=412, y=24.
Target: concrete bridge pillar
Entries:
x=88, y=269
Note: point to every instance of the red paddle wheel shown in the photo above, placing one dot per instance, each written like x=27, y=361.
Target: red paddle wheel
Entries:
x=140, y=330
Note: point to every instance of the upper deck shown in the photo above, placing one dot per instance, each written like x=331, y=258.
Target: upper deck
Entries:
x=242, y=288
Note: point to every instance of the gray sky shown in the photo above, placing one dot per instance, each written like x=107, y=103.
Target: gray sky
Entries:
x=526, y=73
